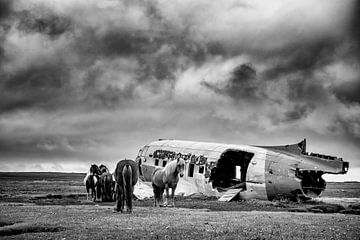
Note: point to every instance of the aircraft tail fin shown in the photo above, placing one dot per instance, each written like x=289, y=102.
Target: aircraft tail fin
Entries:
x=297, y=148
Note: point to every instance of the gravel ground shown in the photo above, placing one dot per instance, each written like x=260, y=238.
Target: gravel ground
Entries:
x=53, y=206
x=99, y=222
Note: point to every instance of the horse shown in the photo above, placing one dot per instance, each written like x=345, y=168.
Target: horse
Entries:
x=126, y=176
x=91, y=182
x=106, y=183
x=165, y=178
x=107, y=186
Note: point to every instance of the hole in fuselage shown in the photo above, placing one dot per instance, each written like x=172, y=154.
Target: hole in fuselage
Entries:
x=312, y=183
x=230, y=170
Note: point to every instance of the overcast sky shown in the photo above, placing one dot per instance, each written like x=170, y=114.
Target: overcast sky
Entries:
x=93, y=81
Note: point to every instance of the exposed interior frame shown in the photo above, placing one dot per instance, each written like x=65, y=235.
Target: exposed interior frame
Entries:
x=230, y=170
x=312, y=183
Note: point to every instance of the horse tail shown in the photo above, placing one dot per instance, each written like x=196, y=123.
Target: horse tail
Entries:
x=127, y=179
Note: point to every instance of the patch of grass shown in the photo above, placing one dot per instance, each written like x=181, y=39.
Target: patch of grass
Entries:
x=20, y=228
x=5, y=223
x=328, y=208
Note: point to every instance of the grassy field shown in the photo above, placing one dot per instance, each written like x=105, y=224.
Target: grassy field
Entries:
x=54, y=206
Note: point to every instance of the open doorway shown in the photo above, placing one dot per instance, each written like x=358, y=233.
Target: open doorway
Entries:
x=230, y=170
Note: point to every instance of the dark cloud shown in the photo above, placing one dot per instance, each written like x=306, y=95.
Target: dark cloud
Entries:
x=112, y=96
x=116, y=42
x=302, y=57
x=46, y=22
x=348, y=92
x=354, y=24
x=298, y=112
x=348, y=126
x=242, y=84
x=5, y=8
x=37, y=86
x=50, y=147
x=306, y=88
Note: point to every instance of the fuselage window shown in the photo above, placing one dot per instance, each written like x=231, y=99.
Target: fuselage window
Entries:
x=164, y=163
x=156, y=162
x=201, y=169
x=191, y=170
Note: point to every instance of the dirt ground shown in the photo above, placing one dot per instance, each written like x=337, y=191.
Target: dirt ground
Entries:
x=54, y=206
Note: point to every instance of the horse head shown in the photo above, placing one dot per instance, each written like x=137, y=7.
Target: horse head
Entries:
x=180, y=166
x=94, y=170
x=103, y=169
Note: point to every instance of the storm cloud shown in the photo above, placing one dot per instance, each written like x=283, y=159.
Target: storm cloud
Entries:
x=95, y=80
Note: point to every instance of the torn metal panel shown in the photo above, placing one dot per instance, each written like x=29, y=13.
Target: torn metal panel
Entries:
x=230, y=195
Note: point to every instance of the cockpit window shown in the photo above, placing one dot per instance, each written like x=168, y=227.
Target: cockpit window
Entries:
x=144, y=150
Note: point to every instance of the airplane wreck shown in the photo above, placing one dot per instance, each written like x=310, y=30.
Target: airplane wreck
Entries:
x=242, y=171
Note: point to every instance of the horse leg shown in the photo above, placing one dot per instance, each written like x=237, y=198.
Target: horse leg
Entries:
x=156, y=194
x=93, y=194
x=123, y=201
x=167, y=195
x=87, y=193
x=120, y=198
x=97, y=196
x=172, y=195
x=161, y=199
x=129, y=199
x=102, y=188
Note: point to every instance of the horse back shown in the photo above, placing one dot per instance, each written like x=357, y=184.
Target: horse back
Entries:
x=106, y=178
x=120, y=168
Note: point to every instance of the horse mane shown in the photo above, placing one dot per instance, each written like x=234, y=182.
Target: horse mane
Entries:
x=171, y=166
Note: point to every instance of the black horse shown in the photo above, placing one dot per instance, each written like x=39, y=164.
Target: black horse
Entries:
x=126, y=176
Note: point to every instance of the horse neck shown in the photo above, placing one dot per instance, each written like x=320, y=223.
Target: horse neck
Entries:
x=171, y=168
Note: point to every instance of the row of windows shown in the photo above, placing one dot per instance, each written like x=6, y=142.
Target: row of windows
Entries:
x=170, y=155
x=191, y=167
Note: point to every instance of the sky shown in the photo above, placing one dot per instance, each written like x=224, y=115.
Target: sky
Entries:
x=92, y=81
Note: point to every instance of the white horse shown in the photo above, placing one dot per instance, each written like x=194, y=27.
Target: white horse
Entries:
x=165, y=178
x=91, y=182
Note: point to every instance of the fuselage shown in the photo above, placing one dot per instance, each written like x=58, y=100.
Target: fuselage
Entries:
x=258, y=172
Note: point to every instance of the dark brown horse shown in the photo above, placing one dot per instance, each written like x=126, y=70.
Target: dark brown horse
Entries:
x=165, y=178
x=107, y=187
x=126, y=176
